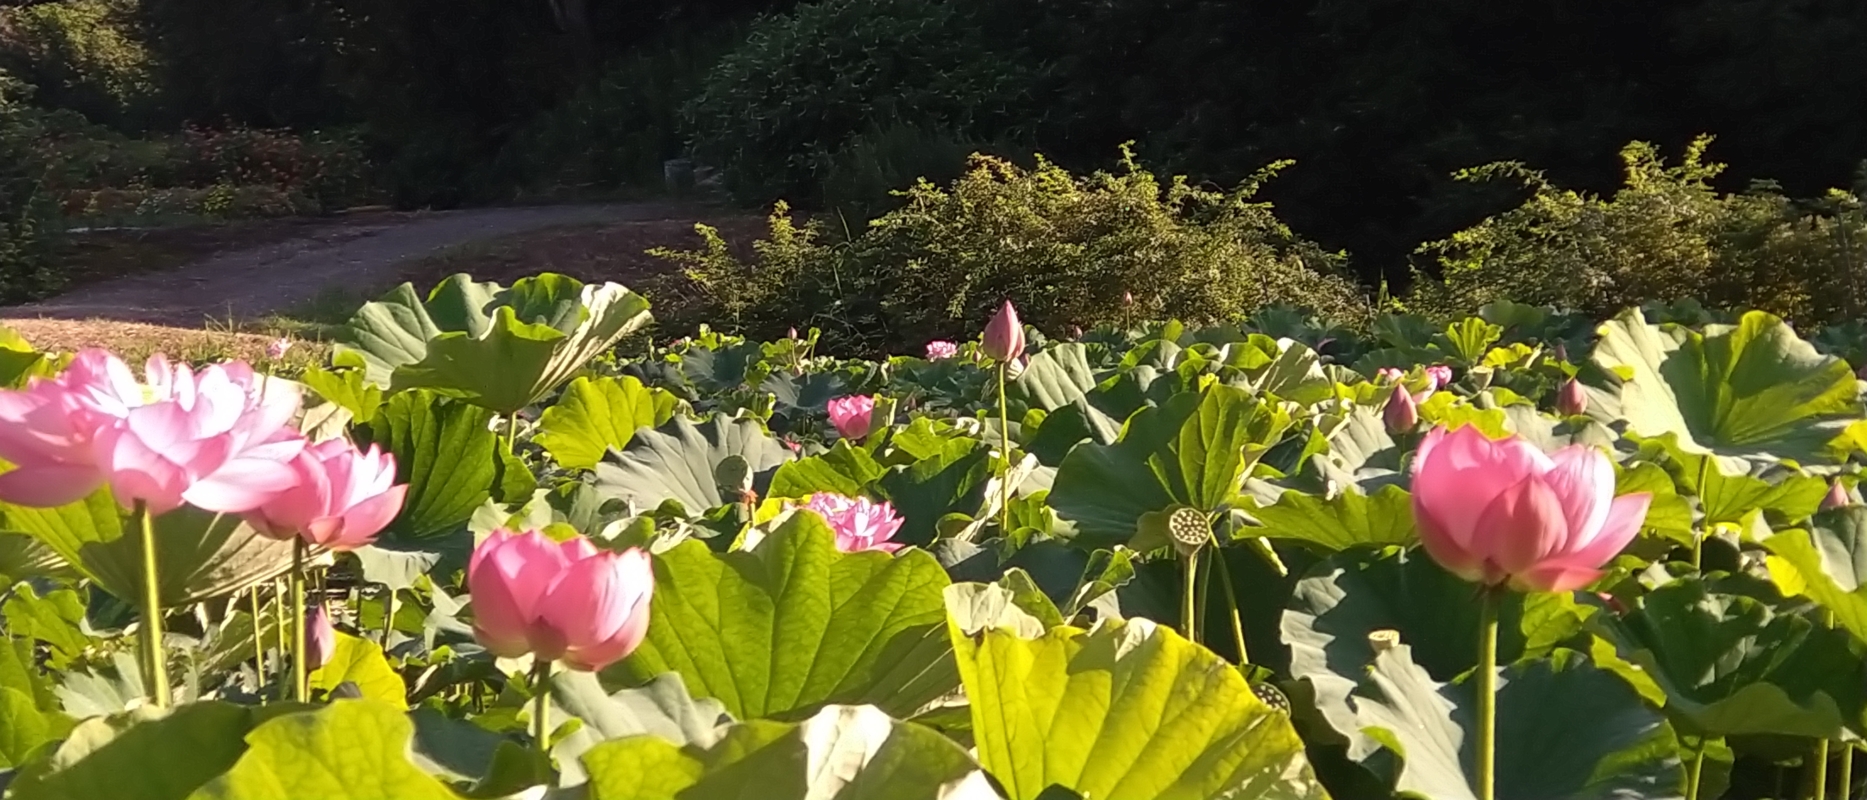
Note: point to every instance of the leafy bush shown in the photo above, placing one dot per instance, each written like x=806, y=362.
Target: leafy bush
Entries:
x=620, y=129
x=83, y=55
x=773, y=113
x=1064, y=248
x=862, y=179
x=1666, y=235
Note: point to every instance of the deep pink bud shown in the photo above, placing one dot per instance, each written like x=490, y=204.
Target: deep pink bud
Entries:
x=1402, y=414
x=320, y=637
x=1441, y=375
x=1004, y=335
x=276, y=350
x=791, y=334
x=1837, y=497
x=1127, y=298
x=1562, y=352
x=1571, y=399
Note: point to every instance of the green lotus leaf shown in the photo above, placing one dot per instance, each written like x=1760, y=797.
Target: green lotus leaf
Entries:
x=23, y=557
x=1123, y=710
x=1346, y=597
x=840, y=753
x=1060, y=377
x=145, y=754
x=1565, y=729
x=1827, y=563
x=501, y=349
x=452, y=461
x=1734, y=665
x=844, y=469
x=682, y=461
x=200, y=554
x=1730, y=498
x=1750, y=391
x=794, y=624
x=597, y=416
x=57, y=619
x=348, y=750
x=662, y=707
x=1345, y=520
x=348, y=389
x=1194, y=450
x=360, y=662
x=947, y=474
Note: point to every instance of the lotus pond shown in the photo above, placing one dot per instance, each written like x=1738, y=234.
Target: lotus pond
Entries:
x=517, y=549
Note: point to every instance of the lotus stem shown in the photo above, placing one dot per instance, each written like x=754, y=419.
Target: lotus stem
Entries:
x=541, y=707
x=259, y=646
x=283, y=627
x=1847, y=772
x=1231, y=604
x=388, y=615
x=1487, y=695
x=301, y=689
x=1695, y=772
x=154, y=658
x=1004, y=468
x=1189, y=615
x=1698, y=536
x=512, y=433
x=1821, y=770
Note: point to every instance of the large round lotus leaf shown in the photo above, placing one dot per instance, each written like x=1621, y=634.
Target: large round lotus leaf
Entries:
x=686, y=462
x=1565, y=730
x=1827, y=563
x=348, y=750
x=198, y=554
x=1753, y=390
x=840, y=753
x=1350, y=595
x=597, y=416
x=1734, y=665
x=1125, y=711
x=502, y=349
x=1194, y=450
x=794, y=624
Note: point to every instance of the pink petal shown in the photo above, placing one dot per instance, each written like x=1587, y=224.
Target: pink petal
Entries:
x=1445, y=549
x=505, y=578
x=1554, y=577
x=240, y=485
x=368, y=518
x=1626, y=515
x=49, y=486
x=1583, y=480
x=1522, y=526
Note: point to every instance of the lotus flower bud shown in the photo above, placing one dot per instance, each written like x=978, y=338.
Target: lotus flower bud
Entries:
x=320, y=637
x=1837, y=497
x=559, y=600
x=851, y=415
x=1401, y=414
x=790, y=333
x=1076, y=332
x=1571, y=399
x=1441, y=375
x=1004, y=335
x=1561, y=352
x=1127, y=298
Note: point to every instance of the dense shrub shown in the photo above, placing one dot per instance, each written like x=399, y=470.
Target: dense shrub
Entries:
x=775, y=112
x=26, y=210
x=619, y=130
x=863, y=178
x=1064, y=248
x=83, y=55
x=1666, y=235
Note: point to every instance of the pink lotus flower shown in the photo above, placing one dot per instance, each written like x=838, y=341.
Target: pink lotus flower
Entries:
x=220, y=441
x=320, y=637
x=559, y=600
x=1004, y=335
x=341, y=500
x=1390, y=374
x=1504, y=511
x=215, y=440
x=1402, y=414
x=277, y=349
x=851, y=414
x=941, y=350
x=1441, y=375
x=1571, y=399
x=1837, y=496
x=859, y=524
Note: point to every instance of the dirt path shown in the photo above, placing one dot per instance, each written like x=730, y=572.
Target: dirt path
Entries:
x=357, y=258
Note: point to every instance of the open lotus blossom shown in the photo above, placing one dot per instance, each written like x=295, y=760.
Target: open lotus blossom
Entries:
x=1004, y=335
x=1441, y=375
x=860, y=524
x=851, y=414
x=278, y=348
x=1498, y=511
x=941, y=350
x=218, y=439
x=320, y=637
x=563, y=601
x=341, y=500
